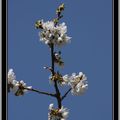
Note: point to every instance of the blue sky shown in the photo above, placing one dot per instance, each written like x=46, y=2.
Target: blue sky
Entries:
x=89, y=24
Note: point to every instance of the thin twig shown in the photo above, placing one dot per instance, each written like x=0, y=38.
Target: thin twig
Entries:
x=66, y=93
x=40, y=92
x=52, y=58
x=55, y=82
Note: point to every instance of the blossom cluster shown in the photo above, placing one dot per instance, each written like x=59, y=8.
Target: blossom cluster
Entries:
x=78, y=83
x=53, y=34
x=17, y=87
x=57, y=114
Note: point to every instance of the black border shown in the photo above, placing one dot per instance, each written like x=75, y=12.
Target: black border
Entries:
x=3, y=42
x=114, y=59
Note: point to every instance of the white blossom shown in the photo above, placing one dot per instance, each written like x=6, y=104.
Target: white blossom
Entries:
x=51, y=106
x=11, y=81
x=57, y=55
x=54, y=34
x=57, y=59
x=56, y=114
x=17, y=87
x=11, y=76
x=62, y=28
x=78, y=83
x=65, y=79
x=49, y=25
x=24, y=85
x=22, y=88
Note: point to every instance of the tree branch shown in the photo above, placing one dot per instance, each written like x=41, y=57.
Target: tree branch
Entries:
x=52, y=60
x=55, y=82
x=66, y=93
x=41, y=92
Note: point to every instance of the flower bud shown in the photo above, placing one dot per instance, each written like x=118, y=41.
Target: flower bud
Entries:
x=38, y=24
